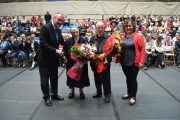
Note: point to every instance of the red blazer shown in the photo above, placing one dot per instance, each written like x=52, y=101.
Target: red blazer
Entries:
x=34, y=20
x=138, y=41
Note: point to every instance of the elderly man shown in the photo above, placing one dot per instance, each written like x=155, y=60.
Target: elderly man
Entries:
x=149, y=44
x=84, y=80
x=102, y=78
x=171, y=17
x=66, y=20
x=48, y=57
x=33, y=20
x=47, y=17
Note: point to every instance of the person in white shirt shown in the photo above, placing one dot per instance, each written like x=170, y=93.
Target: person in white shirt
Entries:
x=159, y=48
x=108, y=27
x=149, y=45
x=33, y=29
x=151, y=27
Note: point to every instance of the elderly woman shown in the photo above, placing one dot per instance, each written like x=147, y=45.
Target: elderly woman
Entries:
x=23, y=55
x=84, y=80
x=155, y=33
x=159, y=48
x=13, y=50
x=3, y=49
x=132, y=59
x=32, y=49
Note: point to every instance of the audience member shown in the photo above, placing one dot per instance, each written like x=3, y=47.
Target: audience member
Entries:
x=160, y=17
x=122, y=19
x=33, y=29
x=66, y=20
x=23, y=21
x=27, y=29
x=155, y=18
x=119, y=26
x=111, y=19
x=3, y=28
x=176, y=18
x=170, y=22
x=83, y=29
x=171, y=17
x=9, y=28
x=93, y=28
x=159, y=47
x=38, y=28
x=133, y=18
x=32, y=50
x=112, y=27
x=40, y=20
x=154, y=33
x=47, y=17
x=144, y=18
x=149, y=45
x=116, y=20
x=176, y=24
x=175, y=38
x=33, y=20
x=83, y=21
x=88, y=21
x=13, y=20
x=88, y=34
x=15, y=28
x=3, y=49
x=127, y=17
x=13, y=50
x=149, y=18
x=164, y=22
x=9, y=20
x=77, y=23
x=105, y=22
x=108, y=27
x=23, y=54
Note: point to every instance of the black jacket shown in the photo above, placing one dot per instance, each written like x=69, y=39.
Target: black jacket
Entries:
x=36, y=45
x=23, y=48
x=177, y=47
x=93, y=40
x=47, y=56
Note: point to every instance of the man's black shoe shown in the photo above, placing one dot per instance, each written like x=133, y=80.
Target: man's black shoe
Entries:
x=48, y=102
x=107, y=99
x=96, y=95
x=57, y=97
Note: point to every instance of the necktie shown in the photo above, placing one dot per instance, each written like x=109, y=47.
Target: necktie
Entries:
x=56, y=32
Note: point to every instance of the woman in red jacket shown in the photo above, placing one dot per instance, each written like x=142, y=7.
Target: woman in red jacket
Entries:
x=132, y=58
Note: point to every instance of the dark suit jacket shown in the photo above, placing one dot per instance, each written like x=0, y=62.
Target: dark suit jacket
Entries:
x=93, y=40
x=36, y=45
x=47, y=56
x=23, y=48
x=177, y=47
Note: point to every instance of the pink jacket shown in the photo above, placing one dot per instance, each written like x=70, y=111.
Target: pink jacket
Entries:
x=138, y=41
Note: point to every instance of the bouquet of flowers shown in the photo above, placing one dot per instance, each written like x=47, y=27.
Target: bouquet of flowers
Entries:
x=114, y=44
x=80, y=53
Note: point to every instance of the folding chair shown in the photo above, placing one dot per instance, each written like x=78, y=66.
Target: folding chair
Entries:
x=171, y=54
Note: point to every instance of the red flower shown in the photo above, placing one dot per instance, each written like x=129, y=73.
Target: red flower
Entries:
x=76, y=51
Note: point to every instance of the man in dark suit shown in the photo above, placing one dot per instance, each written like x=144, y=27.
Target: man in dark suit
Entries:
x=48, y=54
x=102, y=78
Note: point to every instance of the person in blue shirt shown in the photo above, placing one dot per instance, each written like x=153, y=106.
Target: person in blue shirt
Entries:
x=3, y=47
x=171, y=17
x=12, y=51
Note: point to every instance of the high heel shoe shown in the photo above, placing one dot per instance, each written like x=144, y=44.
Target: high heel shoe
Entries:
x=71, y=95
x=82, y=96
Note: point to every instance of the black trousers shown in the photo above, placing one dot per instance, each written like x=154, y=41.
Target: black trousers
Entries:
x=178, y=58
x=103, y=79
x=45, y=75
x=2, y=56
x=131, y=73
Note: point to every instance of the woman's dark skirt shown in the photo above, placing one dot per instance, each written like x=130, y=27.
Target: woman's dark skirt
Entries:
x=10, y=55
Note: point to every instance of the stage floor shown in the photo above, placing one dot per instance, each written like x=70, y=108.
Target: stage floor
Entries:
x=158, y=97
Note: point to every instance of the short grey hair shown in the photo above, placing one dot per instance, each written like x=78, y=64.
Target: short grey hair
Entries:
x=29, y=37
x=11, y=37
x=74, y=29
x=168, y=37
x=99, y=23
x=57, y=14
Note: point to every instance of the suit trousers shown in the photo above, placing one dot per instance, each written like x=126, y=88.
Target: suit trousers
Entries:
x=131, y=73
x=103, y=78
x=45, y=75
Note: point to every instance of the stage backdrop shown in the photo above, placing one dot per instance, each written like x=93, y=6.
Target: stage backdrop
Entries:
x=92, y=9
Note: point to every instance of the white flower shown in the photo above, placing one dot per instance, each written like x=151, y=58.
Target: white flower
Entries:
x=94, y=49
x=81, y=48
x=88, y=46
x=116, y=41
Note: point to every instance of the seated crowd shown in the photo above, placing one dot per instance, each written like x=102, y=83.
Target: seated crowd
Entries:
x=157, y=31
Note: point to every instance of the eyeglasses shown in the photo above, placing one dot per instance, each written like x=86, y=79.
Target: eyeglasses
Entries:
x=60, y=20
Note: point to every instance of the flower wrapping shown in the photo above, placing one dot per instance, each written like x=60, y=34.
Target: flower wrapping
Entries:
x=82, y=53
